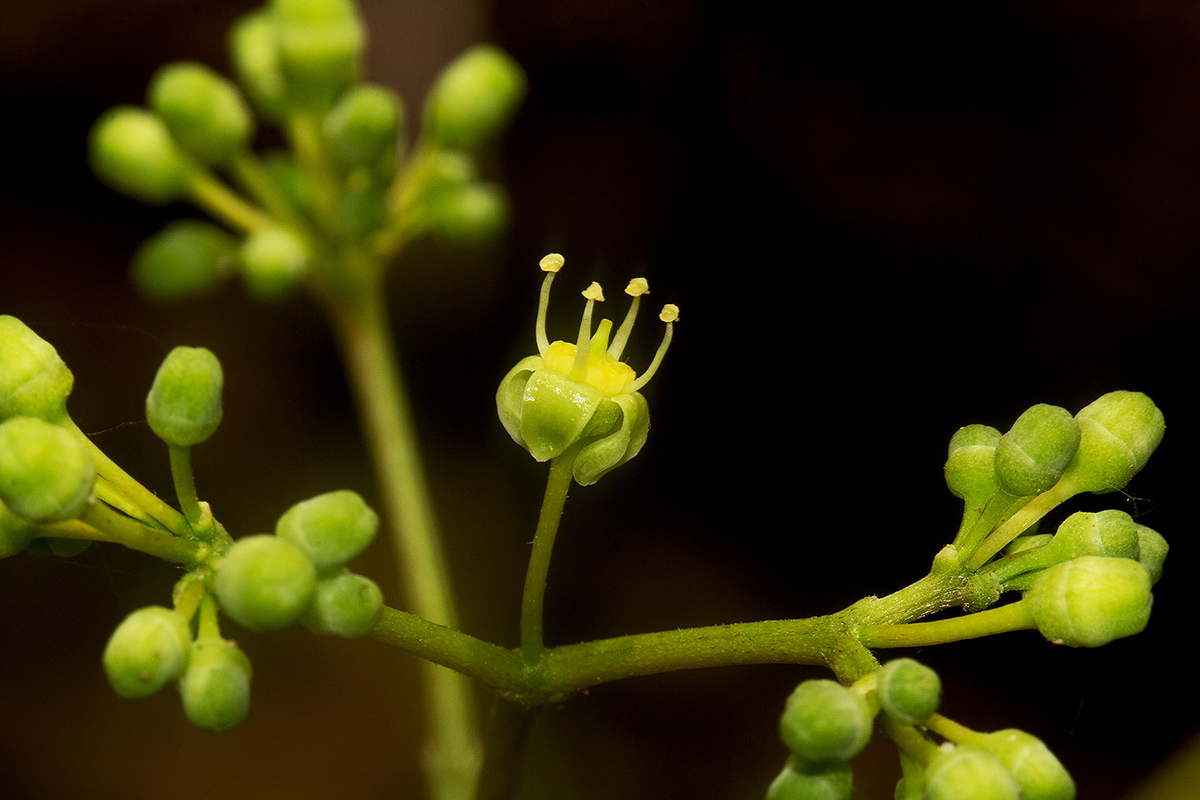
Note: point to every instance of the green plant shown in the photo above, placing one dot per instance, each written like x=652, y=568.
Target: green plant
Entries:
x=567, y=406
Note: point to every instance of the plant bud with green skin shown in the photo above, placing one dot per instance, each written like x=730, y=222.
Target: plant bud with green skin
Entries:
x=971, y=464
x=824, y=721
x=274, y=261
x=969, y=773
x=1119, y=432
x=184, y=403
x=265, y=583
x=797, y=782
x=331, y=528
x=1038, y=773
x=185, y=259
x=133, y=152
x=16, y=532
x=474, y=215
x=1031, y=457
x=346, y=604
x=1090, y=601
x=34, y=381
x=474, y=98
x=320, y=47
x=148, y=650
x=581, y=394
x=1152, y=551
x=908, y=691
x=364, y=126
x=1106, y=533
x=204, y=112
x=216, y=684
x=254, y=51
x=46, y=474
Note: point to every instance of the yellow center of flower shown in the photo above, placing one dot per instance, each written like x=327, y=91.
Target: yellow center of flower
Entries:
x=610, y=376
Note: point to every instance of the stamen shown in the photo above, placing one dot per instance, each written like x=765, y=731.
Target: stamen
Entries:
x=550, y=264
x=636, y=288
x=583, y=344
x=669, y=315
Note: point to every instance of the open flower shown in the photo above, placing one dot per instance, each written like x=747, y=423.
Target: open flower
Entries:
x=582, y=393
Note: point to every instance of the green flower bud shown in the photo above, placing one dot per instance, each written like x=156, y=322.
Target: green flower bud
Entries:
x=265, y=583
x=968, y=772
x=474, y=98
x=1038, y=773
x=185, y=259
x=795, y=782
x=320, y=46
x=581, y=395
x=274, y=261
x=908, y=691
x=364, y=126
x=148, y=650
x=254, y=51
x=330, y=528
x=46, y=474
x=347, y=605
x=16, y=532
x=1119, y=433
x=216, y=684
x=1090, y=601
x=132, y=151
x=184, y=403
x=1152, y=551
x=824, y=721
x=1031, y=457
x=204, y=112
x=472, y=216
x=34, y=381
x=971, y=464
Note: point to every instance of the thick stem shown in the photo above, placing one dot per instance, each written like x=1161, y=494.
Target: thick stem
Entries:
x=101, y=522
x=557, y=484
x=360, y=323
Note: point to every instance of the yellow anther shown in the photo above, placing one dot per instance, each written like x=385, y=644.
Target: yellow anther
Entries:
x=594, y=292
x=637, y=287
x=670, y=313
x=551, y=262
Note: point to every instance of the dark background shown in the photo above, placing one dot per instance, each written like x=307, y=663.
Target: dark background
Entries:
x=880, y=223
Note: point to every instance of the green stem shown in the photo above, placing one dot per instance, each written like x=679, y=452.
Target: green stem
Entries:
x=1011, y=617
x=1019, y=522
x=362, y=330
x=557, y=484
x=107, y=524
x=185, y=483
x=123, y=483
x=217, y=199
x=507, y=731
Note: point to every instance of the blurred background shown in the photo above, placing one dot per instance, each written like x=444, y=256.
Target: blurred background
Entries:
x=881, y=223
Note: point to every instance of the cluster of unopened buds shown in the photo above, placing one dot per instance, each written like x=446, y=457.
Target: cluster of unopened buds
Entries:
x=1085, y=585
x=59, y=492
